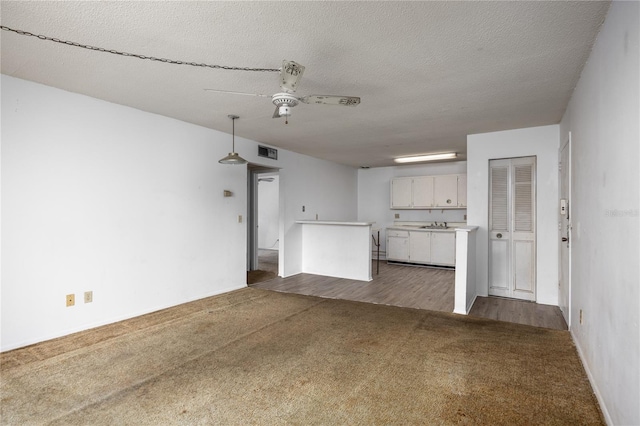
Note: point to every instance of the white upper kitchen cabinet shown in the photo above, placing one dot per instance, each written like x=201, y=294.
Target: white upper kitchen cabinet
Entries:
x=422, y=192
x=445, y=191
x=429, y=192
x=401, y=193
x=462, y=190
x=412, y=192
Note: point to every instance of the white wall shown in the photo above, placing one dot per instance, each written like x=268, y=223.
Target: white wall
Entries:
x=543, y=143
x=374, y=196
x=603, y=117
x=129, y=205
x=325, y=189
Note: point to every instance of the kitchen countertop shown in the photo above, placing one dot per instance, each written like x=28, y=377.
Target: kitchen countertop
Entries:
x=333, y=222
x=420, y=226
x=417, y=228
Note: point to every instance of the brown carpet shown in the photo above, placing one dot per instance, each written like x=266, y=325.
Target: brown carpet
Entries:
x=259, y=357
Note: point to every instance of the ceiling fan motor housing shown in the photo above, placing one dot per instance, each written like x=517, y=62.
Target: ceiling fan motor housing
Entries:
x=284, y=102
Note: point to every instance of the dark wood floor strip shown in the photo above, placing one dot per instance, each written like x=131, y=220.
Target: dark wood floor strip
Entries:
x=419, y=288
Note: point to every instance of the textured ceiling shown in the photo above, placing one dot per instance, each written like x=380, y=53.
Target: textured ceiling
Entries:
x=428, y=73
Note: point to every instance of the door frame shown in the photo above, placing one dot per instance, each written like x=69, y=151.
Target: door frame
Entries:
x=565, y=289
x=254, y=171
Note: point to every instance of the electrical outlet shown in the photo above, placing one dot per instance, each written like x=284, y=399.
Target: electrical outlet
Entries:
x=303, y=209
x=580, y=316
x=239, y=218
x=71, y=299
x=465, y=217
x=88, y=296
x=397, y=216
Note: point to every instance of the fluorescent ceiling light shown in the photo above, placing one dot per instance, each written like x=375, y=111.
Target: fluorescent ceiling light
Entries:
x=426, y=157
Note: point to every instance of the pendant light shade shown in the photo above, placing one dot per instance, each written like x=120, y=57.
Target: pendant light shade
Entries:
x=233, y=157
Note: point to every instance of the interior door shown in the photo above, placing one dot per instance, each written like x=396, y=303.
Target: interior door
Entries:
x=564, y=280
x=512, y=224
x=499, y=229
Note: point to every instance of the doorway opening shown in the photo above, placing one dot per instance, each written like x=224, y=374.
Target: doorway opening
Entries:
x=263, y=232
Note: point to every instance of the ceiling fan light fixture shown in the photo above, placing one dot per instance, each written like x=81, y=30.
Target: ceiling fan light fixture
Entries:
x=284, y=111
x=233, y=157
x=426, y=157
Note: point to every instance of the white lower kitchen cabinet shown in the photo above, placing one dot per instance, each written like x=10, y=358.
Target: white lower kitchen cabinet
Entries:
x=443, y=248
x=398, y=245
x=422, y=247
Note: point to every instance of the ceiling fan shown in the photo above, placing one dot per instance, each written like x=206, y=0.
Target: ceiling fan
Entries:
x=290, y=75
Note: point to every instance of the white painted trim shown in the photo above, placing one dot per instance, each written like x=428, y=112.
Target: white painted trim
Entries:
x=568, y=144
x=471, y=304
x=596, y=391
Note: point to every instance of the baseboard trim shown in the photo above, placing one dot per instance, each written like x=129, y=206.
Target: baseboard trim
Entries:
x=596, y=391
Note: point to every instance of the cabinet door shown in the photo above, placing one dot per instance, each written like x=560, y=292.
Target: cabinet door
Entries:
x=420, y=246
x=422, y=191
x=398, y=248
x=445, y=190
x=443, y=248
x=401, y=193
x=462, y=190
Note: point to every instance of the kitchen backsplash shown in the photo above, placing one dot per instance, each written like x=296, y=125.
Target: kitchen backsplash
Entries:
x=435, y=215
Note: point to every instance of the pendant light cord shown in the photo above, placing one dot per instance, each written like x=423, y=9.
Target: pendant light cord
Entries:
x=233, y=136
x=135, y=55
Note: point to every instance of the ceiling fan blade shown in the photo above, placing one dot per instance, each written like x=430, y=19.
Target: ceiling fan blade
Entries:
x=331, y=100
x=237, y=93
x=290, y=75
x=276, y=113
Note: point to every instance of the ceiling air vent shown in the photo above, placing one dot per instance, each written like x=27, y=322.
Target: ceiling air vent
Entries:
x=267, y=152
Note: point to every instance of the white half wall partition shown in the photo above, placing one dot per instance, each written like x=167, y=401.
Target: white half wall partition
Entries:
x=337, y=249
x=465, y=277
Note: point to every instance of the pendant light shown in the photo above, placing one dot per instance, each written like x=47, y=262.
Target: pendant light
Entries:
x=233, y=157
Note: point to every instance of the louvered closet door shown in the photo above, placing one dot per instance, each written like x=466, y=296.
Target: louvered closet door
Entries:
x=512, y=245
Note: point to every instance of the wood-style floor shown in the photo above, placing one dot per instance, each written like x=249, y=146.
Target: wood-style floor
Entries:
x=419, y=288
x=519, y=311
